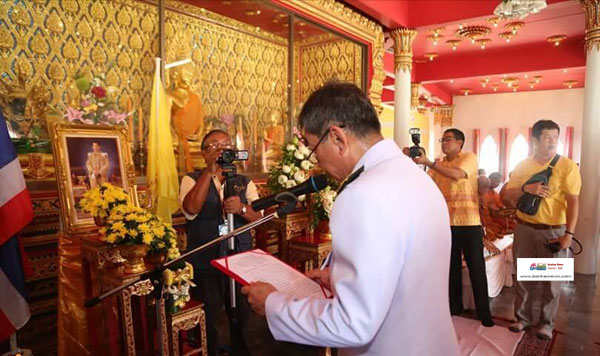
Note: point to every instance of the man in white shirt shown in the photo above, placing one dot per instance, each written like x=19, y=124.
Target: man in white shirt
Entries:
x=391, y=243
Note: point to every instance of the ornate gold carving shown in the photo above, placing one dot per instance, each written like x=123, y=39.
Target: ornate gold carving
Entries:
x=592, y=24
x=443, y=115
x=186, y=320
x=414, y=95
x=324, y=57
x=34, y=36
x=403, y=40
x=345, y=19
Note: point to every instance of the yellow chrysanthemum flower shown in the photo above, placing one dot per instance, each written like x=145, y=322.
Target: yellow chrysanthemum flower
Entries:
x=147, y=238
x=111, y=238
x=144, y=228
x=133, y=233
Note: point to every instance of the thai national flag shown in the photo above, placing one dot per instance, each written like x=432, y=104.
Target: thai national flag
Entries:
x=16, y=211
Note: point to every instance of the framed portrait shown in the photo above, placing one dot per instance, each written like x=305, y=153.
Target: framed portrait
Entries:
x=86, y=156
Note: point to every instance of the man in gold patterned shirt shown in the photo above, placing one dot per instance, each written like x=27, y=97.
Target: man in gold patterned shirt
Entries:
x=97, y=165
x=456, y=176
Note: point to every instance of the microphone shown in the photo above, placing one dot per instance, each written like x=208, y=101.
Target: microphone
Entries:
x=311, y=185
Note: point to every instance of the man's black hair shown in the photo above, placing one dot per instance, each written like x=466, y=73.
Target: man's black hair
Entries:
x=338, y=103
x=541, y=125
x=210, y=133
x=458, y=135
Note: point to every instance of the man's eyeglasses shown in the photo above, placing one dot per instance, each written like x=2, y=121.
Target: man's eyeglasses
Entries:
x=320, y=140
x=446, y=139
x=218, y=145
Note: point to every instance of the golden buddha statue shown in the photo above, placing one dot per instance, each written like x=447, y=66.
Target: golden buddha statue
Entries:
x=186, y=113
x=273, y=139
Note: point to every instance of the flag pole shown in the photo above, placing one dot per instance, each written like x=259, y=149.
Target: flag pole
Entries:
x=14, y=349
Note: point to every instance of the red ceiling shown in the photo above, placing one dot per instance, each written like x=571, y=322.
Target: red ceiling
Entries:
x=527, y=53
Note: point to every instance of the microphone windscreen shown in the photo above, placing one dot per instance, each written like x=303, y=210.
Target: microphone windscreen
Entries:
x=320, y=182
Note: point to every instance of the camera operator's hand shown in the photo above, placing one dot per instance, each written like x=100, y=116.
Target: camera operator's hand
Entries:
x=564, y=241
x=422, y=160
x=537, y=189
x=211, y=161
x=406, y=151
x=233, y=205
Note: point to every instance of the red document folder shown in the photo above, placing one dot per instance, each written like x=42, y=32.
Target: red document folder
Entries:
x=259, y=266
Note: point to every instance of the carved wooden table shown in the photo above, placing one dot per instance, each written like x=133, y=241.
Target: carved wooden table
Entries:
x=274, y=236
x=188, y=318
x=307, y=252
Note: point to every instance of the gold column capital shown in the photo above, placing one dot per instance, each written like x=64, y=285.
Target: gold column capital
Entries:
x=591, y=8
x=403, y=39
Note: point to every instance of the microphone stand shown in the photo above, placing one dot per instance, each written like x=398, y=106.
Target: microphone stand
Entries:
x=156, y=275
x=230, y=173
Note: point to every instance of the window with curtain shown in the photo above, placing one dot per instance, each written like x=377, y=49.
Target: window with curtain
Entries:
x=488, y=156
x=518, y=152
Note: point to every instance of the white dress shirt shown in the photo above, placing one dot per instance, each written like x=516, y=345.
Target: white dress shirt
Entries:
x=389, y=267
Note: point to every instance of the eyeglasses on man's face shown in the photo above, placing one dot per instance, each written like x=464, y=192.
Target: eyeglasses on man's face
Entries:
x=214, y=146
x=318, y=142
x=446, y=139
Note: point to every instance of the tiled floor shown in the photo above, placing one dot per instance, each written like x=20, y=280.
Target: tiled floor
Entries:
x=578, y=324
x=578, y=319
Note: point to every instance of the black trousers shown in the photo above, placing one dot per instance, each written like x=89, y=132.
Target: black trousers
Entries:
x=468, y=240
x=213, y=290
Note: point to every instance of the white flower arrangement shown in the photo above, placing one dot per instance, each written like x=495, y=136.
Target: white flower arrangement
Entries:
x=294, y=168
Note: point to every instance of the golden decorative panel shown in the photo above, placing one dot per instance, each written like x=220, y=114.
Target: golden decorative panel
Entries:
x=54, y=39
x=322, y=58
x=237, y=70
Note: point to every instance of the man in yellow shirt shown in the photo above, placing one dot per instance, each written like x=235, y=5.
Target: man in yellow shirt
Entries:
x=554, y=221
x=456, y=176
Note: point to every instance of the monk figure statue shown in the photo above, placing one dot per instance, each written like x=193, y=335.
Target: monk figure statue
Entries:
x=274, y=137
x=186, y=113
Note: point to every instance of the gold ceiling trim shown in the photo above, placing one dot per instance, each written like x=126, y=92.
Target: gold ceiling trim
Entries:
x=347, y=20
x=222, y=21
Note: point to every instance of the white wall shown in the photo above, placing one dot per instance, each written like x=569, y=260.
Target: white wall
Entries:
x=519, y=111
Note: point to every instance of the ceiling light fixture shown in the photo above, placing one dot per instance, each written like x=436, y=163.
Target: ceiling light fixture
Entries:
x=557, y=39
x=507, y=36
x=514, y=26
x=466, y=91
x=431, y=56
x=451, y=81
x=537, y=78
x=518, y=9
x=510, y=81
x=532, y=84
x=434, y=39
x=483, y=82
x=473, y=32
x=482, y=42
x=453, y=43
x=570, y=83
x=494, y=21
x=495, y=87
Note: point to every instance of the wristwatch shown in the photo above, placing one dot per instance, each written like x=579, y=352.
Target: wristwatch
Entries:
x=243, y=210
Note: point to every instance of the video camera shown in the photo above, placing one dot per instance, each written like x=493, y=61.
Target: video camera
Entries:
x=416, y=150
x=229, y=156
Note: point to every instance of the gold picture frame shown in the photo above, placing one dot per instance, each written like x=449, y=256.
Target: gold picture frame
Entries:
x=85, y=156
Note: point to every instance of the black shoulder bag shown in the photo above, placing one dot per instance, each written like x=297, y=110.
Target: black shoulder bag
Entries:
x=529, y=203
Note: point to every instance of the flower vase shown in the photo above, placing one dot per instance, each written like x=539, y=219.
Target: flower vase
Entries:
x=156, y=258
x=134, y=257
x=100, y=221
x=322, y=230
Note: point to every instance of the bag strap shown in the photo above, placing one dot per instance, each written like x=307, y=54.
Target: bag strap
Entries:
x=554, y=160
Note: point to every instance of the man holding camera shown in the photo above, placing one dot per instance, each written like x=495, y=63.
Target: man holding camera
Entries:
x=204, y=206
x=456, y=176
x=547, y=233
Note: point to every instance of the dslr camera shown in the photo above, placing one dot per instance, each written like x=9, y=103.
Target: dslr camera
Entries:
x=229, y=156
x=416, y=150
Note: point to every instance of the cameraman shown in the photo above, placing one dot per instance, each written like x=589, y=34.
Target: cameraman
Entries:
x=204, y=207
x=456, y=176
x=554, y=222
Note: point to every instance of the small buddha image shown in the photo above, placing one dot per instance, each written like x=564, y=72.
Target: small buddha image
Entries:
x=273, y=139
x=186, y=112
